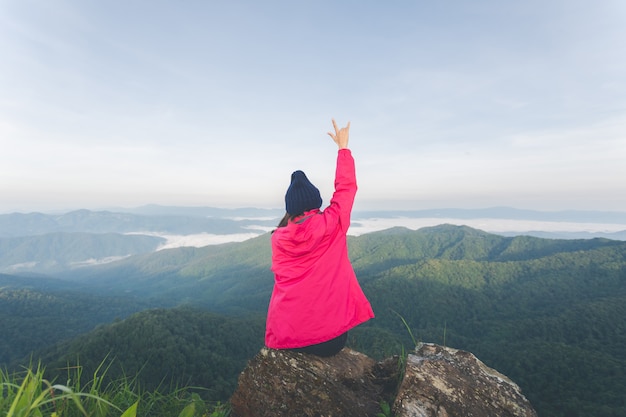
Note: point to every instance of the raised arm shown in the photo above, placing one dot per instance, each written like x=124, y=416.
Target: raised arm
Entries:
x=345, y=179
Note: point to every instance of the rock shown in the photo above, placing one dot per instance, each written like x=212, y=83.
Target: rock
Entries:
x=438, y=382
x=445, y=382
x=280, y=383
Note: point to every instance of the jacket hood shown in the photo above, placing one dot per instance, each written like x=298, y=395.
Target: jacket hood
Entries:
x=301, y=236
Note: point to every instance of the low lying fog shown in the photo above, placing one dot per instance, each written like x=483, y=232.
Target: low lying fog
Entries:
x=363, y=226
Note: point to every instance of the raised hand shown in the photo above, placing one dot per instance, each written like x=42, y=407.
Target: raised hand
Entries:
x=340, y=136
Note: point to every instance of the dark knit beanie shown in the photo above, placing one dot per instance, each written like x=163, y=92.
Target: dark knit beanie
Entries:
x=301, y=195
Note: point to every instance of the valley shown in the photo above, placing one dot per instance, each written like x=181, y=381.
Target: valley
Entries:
x=548, y=313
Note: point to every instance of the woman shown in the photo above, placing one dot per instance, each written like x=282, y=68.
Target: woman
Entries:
x=316, y=297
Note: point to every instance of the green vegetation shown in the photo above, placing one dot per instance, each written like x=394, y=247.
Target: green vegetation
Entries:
x=56, y=252
x=29, y=393
x=550, y=314
x=166, y=349
x=35, y=318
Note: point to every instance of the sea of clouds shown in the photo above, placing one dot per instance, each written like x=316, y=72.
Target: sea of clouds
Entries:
x=363, y=226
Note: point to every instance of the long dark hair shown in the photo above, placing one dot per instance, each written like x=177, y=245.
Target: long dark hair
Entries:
x=287, y=218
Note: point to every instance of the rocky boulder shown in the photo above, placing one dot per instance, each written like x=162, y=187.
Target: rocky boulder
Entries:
x=435, y=381
x=282, y=383
x=444, y=382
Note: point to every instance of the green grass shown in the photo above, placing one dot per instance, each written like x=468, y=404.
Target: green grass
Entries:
x=29, y=394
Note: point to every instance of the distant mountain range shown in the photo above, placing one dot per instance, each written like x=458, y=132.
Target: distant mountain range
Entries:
x=86, y=221
x=190, y=220
x=54, y=243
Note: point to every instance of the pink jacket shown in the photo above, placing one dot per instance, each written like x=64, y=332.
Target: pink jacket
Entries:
x=316, y=294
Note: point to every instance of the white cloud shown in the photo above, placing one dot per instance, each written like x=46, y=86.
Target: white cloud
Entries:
x=363, y=226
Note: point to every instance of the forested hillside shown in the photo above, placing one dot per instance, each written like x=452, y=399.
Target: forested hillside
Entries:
x=550, y=314
x=58, y=252
x=38, y=312
x=224, y=278
x=166, y=349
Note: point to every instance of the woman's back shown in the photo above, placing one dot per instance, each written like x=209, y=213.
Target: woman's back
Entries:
x=316, y=294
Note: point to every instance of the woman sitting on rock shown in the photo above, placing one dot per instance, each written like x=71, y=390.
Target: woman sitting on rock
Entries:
x=316, y=297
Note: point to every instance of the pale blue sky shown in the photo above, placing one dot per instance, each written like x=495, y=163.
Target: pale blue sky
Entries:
x=453, y=103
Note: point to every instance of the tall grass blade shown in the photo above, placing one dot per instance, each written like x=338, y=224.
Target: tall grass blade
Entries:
x=188, y=411
x=131, y=411
x=407, y=327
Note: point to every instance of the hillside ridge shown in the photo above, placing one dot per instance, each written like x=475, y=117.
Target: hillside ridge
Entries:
x=549, y=313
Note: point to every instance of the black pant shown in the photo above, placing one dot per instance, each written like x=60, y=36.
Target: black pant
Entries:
x=329, y=348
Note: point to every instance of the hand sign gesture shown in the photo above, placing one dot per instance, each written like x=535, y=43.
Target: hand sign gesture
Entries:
x=341, y=135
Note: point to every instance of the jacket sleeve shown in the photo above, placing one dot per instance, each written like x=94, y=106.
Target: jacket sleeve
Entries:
x=345, y=189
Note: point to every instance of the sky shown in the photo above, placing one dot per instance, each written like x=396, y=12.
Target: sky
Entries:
x=463, y=104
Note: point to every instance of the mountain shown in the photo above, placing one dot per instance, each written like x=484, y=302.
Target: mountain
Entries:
x=225, y=278
x=549, y=313
x=54, y=243
x=165, y=348
x=60, y=251
x=219, y=276
x=36, y=312
x=86, y=221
